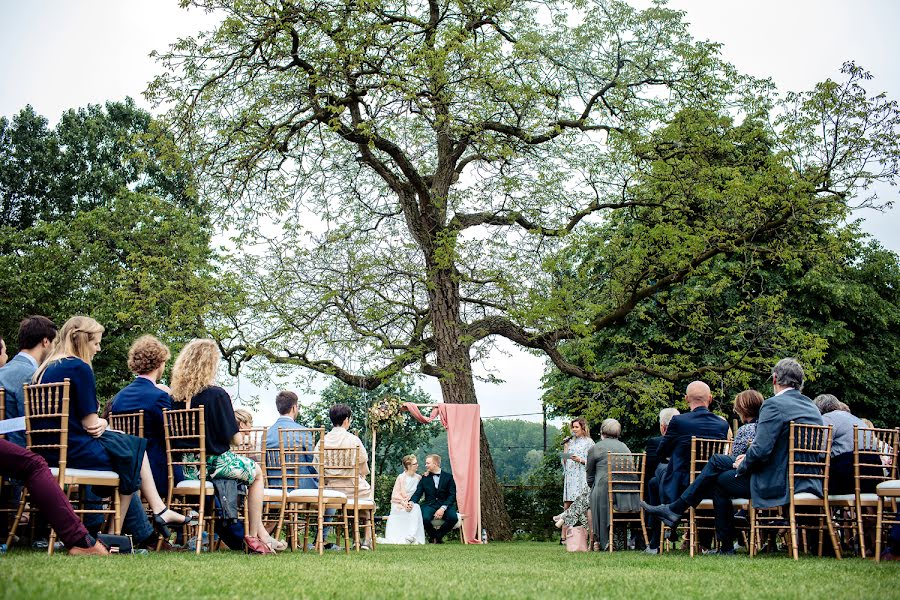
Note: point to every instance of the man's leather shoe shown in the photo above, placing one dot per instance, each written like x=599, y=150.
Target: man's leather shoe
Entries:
x=662, y=513
x=98, y=549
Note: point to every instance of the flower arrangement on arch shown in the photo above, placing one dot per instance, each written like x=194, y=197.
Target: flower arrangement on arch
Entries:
x=386, y=413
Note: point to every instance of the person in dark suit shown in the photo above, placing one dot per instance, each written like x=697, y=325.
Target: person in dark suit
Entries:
x=147, y=360
x=761, y=473
x=676, y=444
x=439, y=491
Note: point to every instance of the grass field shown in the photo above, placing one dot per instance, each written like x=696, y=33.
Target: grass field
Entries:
x=515, y=570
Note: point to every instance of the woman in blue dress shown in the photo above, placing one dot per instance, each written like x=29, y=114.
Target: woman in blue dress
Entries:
x=90, y=444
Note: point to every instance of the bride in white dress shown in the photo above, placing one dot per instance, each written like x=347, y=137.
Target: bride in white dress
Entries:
x=404, y=526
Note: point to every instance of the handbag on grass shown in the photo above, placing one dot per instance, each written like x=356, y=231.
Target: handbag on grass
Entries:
x=577, y=539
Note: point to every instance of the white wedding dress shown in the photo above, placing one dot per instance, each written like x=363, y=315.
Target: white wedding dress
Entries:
x=405, y=527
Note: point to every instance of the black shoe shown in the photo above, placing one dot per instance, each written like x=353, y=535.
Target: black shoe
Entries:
x=162, y=526
x=724, y=552
x=662, y=513
x=439, y=540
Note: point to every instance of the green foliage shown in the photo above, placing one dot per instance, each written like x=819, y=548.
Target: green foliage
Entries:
x=105, y=228
x=854, y=305
x=391, y=446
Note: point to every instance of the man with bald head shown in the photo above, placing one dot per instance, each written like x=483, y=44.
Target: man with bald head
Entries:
x=676, y=444
x=674, y=478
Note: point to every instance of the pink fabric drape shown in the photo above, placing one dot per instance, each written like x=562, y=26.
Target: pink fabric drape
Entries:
x=463, y=425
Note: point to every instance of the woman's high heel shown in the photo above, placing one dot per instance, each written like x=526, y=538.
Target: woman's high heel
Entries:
x=162, y=526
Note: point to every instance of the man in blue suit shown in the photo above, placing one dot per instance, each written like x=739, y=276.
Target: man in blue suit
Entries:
x=762, y=472
x=675, y=447
x=439, y=491
x=36, y=335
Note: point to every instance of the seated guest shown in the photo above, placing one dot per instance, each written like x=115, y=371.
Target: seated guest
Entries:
x=760, y=473
x=887, y=453
x=288, y=405
x=598, y=481
x=340, y=437
x=747, y=405
x=90, y=445
x=147, y=360
x=841, y=475
x=36, y=335
x=437, y=490
x=655, y=468
x=405, y=525
x=45, y=493
x=244, y=420
x=193, y=384
x=676, y=446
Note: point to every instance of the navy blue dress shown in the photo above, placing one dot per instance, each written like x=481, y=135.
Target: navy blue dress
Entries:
x=142, y=394
x=120, y=453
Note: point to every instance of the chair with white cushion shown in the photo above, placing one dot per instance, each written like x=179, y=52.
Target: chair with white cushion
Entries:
x=305, y=498
x=874, y=461
x=809, y=457
x=47, y=433
x=185, y=432
x=887, y=491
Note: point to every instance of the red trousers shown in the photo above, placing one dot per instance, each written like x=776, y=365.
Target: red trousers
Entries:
x=23, y=464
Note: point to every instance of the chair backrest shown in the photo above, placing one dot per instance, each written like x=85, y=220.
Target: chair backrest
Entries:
x=704, y=448
x=875, y=453
x=300, y=457
x=809, y=454
x=2, y=409
x=341, y=468
x=625, y=474
x=252, y=445
x=130, y=423
x=185, y=432
x=47, y=420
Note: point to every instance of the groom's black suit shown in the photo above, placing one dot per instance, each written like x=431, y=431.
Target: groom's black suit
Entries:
x=436, y=496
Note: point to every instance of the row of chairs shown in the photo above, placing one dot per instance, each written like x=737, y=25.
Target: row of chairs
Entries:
x=809, y=457
x=301, y=457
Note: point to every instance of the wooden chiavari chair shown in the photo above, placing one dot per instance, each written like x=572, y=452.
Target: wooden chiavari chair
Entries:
x=809, y=457
x=306, y=498
x=185, y=433
x=47, y=433
x=874, y=461
x=699, y=517
x=130, y=423
x=625, y=475
x=253, y=446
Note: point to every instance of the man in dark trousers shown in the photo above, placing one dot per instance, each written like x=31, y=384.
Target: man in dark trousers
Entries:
x=439, y=491
x=676, y=448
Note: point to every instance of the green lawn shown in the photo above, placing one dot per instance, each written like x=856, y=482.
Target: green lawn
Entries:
x=516, y=570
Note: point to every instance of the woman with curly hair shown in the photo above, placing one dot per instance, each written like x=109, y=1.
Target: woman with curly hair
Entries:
x=193, y=384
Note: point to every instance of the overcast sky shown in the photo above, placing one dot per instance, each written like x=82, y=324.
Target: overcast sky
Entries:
x=61, y=54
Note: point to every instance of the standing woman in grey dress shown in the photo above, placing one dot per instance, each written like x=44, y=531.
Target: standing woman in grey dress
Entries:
x=598, y=481
x=576, y=450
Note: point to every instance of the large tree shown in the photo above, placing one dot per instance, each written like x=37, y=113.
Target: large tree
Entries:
x=99, y=218
x=399, y=171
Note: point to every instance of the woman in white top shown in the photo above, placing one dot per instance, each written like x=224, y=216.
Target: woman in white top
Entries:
x=405, y=525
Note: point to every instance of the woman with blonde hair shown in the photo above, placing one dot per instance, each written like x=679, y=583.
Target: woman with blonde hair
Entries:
x=193, y=384
x=405, y=524
x=91, y=445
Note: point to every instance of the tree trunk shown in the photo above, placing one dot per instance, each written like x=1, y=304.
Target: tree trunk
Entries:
x=458, y=387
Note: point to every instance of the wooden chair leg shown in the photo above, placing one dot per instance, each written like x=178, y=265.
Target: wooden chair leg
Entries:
x=692, y=529
x=862, y=536
x=792, y=520
x=835, y=543
x=878, y=525
x=15, y=523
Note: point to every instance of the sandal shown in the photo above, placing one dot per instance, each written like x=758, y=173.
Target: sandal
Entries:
x=257, y=546
x=162, y=526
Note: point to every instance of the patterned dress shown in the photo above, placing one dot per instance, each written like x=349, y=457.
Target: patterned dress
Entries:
x=575, y=479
